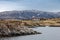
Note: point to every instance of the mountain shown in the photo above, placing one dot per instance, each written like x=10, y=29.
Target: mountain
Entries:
x=28, y=14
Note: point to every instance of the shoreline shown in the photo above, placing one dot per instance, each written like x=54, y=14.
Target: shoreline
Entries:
x=10, y=30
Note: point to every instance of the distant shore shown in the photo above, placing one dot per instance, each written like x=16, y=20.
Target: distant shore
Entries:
x=53, y=22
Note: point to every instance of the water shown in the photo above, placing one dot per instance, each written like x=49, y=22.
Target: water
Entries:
x=48, y=33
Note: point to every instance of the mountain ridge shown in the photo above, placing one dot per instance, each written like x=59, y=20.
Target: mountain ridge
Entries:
x=28, y=14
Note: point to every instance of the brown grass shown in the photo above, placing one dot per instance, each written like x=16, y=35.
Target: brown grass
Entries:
x=31, y=23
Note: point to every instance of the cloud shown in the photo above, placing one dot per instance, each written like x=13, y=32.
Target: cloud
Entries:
x=43, y=5
x=6, y=6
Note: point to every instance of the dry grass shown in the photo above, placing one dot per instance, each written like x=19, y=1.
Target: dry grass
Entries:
x=31, y=23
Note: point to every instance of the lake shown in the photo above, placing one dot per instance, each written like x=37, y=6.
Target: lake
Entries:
x=48, y=33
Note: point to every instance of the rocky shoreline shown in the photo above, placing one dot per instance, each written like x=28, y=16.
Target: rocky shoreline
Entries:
x=7, y=30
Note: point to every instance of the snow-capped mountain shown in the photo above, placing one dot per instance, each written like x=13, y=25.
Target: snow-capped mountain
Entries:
x=28, y=14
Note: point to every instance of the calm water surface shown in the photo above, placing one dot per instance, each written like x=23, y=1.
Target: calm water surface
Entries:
x=48, y=33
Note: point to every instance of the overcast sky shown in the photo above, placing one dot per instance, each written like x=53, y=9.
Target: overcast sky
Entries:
x=42, y=5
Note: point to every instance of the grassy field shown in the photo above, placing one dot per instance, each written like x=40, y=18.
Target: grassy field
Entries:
x=31, y=23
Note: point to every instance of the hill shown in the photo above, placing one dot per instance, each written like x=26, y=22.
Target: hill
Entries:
x=28, y=14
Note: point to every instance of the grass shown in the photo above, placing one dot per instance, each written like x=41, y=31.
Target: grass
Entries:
x=31, y=23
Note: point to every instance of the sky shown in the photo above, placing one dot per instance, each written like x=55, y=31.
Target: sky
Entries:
x=42, y=5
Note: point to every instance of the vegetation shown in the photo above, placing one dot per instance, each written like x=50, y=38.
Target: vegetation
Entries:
x=31, y=23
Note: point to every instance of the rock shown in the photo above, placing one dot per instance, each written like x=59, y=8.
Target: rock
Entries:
x=15, y=30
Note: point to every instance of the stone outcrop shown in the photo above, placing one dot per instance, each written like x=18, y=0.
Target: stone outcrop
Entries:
x=15, y=30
